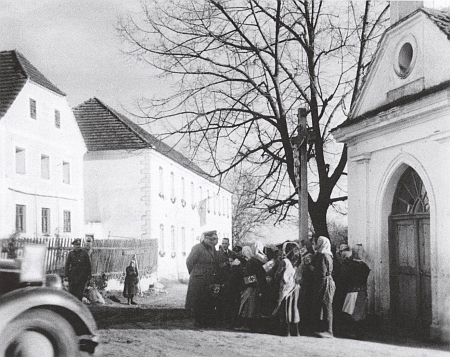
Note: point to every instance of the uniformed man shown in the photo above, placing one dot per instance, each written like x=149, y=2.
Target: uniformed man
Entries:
x=78, y=269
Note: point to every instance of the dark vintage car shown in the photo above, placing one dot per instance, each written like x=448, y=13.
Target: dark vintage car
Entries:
x=38, y=318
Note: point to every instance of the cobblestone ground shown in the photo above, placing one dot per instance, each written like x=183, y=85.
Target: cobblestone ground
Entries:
x=159, y=326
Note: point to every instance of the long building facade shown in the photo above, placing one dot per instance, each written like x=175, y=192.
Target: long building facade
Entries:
x=138, y=187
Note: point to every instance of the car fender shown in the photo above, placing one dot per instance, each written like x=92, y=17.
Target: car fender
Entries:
x=18, y=301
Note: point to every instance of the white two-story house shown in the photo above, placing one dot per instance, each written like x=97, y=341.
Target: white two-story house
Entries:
x=41, y=155
x=136, y=186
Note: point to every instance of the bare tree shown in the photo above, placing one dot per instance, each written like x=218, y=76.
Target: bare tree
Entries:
x=247, y=216
x=240, y=69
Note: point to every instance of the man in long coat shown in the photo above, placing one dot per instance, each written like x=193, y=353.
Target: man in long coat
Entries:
x=202, y=264
x=77, y=269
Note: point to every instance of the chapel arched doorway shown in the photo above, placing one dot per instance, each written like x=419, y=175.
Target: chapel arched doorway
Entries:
x=409, y=247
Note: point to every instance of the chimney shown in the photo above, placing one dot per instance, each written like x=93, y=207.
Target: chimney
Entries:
x=401, y=9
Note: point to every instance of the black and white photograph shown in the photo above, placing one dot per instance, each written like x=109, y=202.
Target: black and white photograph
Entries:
x=202, y=178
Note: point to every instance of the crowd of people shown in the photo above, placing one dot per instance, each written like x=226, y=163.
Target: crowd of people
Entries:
x=288, y=289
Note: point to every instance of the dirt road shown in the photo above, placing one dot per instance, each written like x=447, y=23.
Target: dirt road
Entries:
x=159, y=326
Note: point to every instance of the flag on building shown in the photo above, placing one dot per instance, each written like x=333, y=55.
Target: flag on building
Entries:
x=202, y=212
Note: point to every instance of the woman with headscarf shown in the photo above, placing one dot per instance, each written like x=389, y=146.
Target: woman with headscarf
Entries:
x=324, y=287
x=289, y=288
x=202, y=264
x=254, y=280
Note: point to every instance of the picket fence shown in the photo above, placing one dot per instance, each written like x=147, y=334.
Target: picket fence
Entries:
x=109, y=256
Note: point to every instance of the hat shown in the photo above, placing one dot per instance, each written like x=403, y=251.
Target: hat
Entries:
x=76, y=241
x=209, y=233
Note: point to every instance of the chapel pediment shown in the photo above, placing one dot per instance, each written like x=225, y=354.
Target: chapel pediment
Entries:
x=411, y=61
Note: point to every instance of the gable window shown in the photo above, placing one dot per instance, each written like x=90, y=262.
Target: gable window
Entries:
x=66, y=172
x=33, y=113
x=20, y=160
x=67, y=222
x=57, y=119
x=46, y=220
x=45, y=167
x=406, y=56
x=20, y=218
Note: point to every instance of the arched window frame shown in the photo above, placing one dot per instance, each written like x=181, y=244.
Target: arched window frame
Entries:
x=161, y=249
x=172, y=187
x=161, y=182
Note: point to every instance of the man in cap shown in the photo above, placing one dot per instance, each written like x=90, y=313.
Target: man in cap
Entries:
x=77, y=269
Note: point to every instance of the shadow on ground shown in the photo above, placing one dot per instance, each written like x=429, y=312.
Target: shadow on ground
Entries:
x=147, y=318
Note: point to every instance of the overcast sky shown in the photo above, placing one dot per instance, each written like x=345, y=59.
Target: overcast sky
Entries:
x=75, y=45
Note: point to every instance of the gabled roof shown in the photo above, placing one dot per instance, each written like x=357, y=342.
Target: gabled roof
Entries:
x=440, y=18
x=15, y=70
x=103, y=128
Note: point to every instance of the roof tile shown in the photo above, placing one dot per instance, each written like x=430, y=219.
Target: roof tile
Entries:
x=15, y=70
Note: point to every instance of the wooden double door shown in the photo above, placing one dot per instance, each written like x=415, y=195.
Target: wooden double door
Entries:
x=410, y=269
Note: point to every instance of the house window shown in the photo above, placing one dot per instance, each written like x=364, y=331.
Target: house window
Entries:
x=172, y=187
x=172, y=239
x=46, y=220
x=45, y=167
x=183, y=192
x=193, y=236
x=57, y=119
x=207, y=203
x=192, y=195
x=20, y=160
x=228, y=208
x=20, y=218
x=66, y=172
x=33, y=113
x=161, y=238
x=67, y=222
x=161, y=182
x=218, y=205
x=200, y=193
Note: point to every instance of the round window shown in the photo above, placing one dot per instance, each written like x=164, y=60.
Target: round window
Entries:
x=405, y=59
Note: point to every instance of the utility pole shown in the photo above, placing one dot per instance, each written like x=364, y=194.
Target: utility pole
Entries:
x=299, y=144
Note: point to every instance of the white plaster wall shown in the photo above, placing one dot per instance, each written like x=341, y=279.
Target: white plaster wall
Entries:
x=122, y=191
x=113, y=193
x=172, y=262
x=41, y=137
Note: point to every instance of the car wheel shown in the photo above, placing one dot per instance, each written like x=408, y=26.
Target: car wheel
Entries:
x=41, y=333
